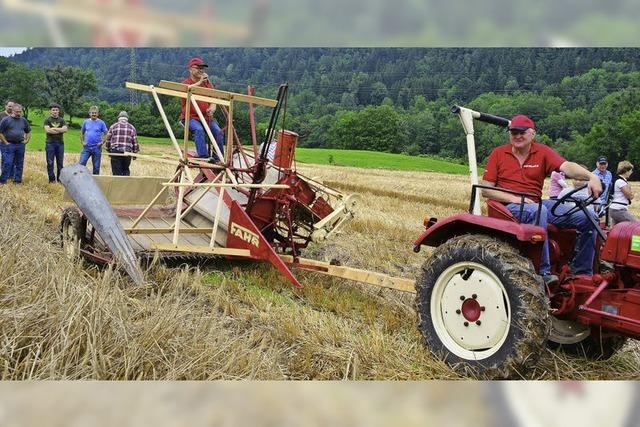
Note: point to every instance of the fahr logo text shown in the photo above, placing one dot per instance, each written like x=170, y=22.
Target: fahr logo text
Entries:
x=244, y=234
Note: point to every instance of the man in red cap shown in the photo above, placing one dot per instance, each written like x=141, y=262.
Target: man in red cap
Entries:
x=198, y=77
x=522, y=165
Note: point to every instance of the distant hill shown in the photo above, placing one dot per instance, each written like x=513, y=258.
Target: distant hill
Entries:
x=369, y=74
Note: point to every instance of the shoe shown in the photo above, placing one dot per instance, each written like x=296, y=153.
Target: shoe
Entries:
x=550, y=279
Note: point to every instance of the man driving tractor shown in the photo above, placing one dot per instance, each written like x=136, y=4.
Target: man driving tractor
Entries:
x=522, y=165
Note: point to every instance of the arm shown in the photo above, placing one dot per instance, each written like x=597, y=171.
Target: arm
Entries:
x=104, y=134
x=627, y=191
x=501, y=196
x=574, y=170
x=136, y=146
x=108, y=139
x=27, y=137
x=3, y=139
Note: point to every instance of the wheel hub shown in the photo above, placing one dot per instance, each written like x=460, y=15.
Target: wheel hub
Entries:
x=470, y=312
x=471, y=309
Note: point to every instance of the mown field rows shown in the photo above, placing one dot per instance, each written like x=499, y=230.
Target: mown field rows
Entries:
x=222, y=320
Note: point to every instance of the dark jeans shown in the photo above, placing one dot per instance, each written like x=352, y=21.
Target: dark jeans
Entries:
x=12, y=162
x=54, y=152
x=120, y=166
x=200, y=137
x=96, y=155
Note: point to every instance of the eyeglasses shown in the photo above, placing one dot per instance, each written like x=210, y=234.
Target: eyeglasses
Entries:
x=516, y=132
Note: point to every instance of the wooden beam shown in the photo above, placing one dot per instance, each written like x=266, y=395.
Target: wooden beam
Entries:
x=201, y=249
x=167, y=230
x=220, y=94
x=161, y=91
x=227, y=185
x=363, y=276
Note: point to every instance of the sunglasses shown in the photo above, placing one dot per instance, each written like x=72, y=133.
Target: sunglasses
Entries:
x=515, y=132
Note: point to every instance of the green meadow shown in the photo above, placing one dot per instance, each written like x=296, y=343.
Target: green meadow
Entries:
x=320, y=156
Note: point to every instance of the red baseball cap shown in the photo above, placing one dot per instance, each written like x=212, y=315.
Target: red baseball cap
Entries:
x=197, y=62
x=521, y=122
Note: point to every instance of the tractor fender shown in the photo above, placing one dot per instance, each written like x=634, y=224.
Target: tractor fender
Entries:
x=438, y=232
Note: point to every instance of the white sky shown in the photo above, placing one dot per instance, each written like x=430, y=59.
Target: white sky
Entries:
x=7, y=51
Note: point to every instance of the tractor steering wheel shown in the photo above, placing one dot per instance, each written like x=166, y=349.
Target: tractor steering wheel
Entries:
x=580, y=204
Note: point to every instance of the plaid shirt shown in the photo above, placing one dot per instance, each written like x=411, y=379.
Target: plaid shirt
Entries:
x=122, y=137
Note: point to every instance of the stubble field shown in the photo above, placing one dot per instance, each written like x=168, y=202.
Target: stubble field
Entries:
x=222, y=320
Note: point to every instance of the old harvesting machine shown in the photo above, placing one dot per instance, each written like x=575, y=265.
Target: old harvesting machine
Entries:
x=483, y=308
x=250, y=205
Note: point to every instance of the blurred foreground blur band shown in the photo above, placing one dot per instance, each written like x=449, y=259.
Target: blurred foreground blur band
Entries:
x=525, y=404
x=313, y=23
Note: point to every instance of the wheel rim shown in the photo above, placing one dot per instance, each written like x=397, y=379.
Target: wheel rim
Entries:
x=567, y=331
x=470, y=310
x=70, y=240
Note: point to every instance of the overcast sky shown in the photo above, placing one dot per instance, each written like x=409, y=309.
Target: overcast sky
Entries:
x=7, y=51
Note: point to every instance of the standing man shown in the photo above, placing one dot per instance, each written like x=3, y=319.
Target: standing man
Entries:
x=15, y=133
x=605, y=176
x=54, y=127
x=122, y=138
x=197, y=77
x=522, y=165
x=92, y=135
x=8, y=108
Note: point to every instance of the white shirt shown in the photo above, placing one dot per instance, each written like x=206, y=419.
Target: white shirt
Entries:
x=620, y=201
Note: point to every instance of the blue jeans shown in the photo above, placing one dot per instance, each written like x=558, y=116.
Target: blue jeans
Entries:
x=54, y=151
x=200, y=137
x=12, y=162
x=95, y=153
x=585, y=243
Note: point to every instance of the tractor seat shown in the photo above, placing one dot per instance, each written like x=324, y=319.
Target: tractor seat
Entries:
x=497, y=210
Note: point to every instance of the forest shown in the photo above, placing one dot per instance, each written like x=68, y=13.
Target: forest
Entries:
x=585, y=100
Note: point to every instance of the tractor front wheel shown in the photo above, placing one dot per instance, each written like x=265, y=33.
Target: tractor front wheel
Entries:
x=579, y=340
x=481, y=307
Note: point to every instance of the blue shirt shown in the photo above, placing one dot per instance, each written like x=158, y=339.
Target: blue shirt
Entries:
x=606, y=178
x=14, y=129
x=93, y=130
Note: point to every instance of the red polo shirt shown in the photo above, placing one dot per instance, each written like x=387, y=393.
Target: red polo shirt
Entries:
x=503, y=168
x=203, y=105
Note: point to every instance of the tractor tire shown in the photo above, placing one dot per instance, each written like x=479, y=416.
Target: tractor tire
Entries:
x=73, y=229
x=481, y=308
x=581, y=341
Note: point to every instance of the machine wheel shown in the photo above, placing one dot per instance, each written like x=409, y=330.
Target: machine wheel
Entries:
x=481, y=307
x=72, y=231
x=579, y=340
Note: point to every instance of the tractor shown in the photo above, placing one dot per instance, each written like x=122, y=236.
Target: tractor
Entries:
x=482, y=306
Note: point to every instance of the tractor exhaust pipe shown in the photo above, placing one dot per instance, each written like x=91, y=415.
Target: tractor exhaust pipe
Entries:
x=466, y=117
x=84, y=190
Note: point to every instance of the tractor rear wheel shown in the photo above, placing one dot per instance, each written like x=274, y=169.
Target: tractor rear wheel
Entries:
x=579, y=340
x=72, y=232
x=481, y=307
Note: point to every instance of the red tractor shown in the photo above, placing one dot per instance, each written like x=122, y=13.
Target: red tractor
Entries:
x=485, y=311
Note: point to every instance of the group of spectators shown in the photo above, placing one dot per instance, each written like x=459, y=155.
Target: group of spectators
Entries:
x=616, y=194
x=118, y=140
x=15, y=133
